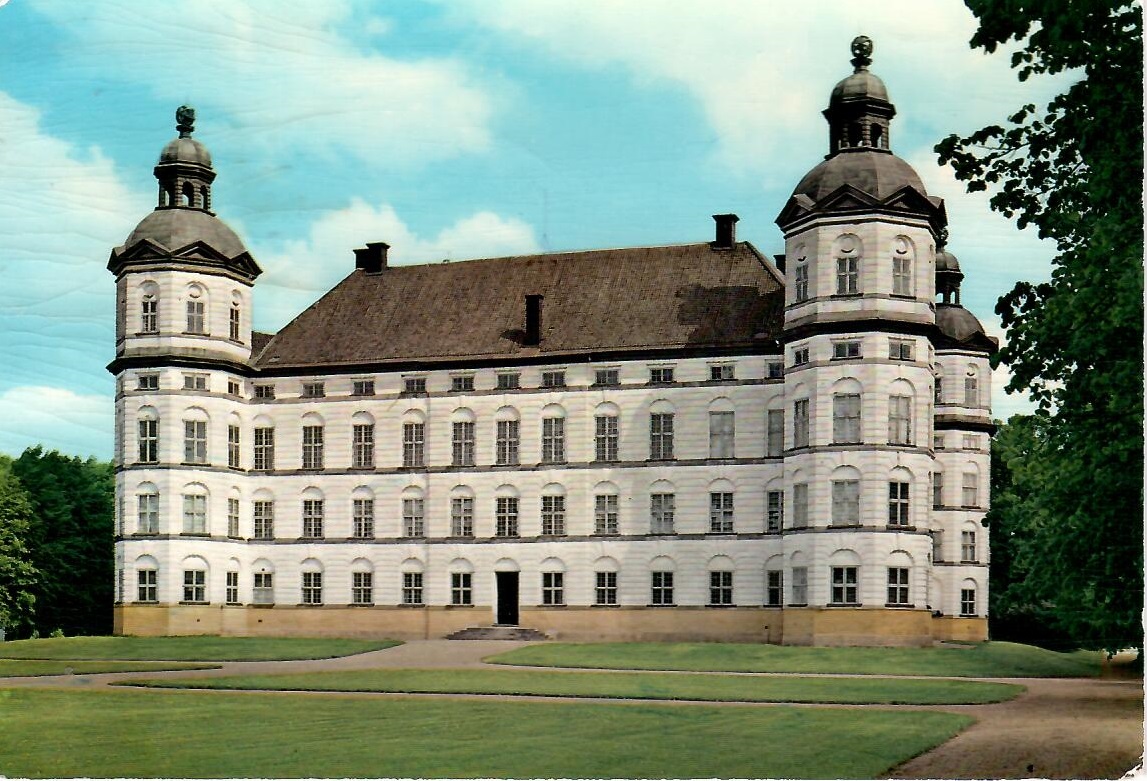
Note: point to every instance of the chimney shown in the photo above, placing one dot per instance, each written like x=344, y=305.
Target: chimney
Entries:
x=372, y=260
x=533, y=335
x=780, y=261
x=726, y=231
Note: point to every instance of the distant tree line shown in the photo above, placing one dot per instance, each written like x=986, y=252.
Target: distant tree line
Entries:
x=56, y=545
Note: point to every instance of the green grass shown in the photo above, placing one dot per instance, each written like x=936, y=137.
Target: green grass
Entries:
x=101, y=734
x=10, y=668
x=198, y=648
x=984, y=660
x=664, y=686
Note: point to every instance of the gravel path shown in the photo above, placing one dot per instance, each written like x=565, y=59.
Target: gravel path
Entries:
x=1058, y=728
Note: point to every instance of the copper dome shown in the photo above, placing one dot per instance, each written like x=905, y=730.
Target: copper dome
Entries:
x=877, y=173
x=174, y=229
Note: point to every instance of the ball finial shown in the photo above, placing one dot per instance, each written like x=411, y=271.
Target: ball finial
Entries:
x=861, y=52
x=185, y=121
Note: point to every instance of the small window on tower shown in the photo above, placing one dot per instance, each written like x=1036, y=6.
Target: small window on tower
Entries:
x=147, y=382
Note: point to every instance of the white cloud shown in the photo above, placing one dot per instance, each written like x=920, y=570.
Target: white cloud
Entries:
x=286, y=73
x=56, y=418
x=304, y=269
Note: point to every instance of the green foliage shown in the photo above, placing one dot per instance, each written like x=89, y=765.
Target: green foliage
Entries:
x=70, y=541
x=18, y=576
x=191, y=648
x=1073, y=169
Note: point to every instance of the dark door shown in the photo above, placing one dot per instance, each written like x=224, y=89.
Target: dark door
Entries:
x=507, y=597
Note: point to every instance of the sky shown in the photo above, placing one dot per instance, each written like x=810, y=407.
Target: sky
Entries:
x=450, y=130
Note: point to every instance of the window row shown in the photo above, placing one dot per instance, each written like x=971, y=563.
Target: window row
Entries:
x=899, y=349
x=196, y=308
x=846, y=420
x=847, y=275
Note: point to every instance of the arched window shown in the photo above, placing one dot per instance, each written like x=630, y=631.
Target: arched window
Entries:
x=148, y=422
x=553, y=434
x=899, y=579
x=362, y=440
x=312, y=582
x=968, y=597
x=775, y=581
x=461, y=582
x=900, y=401
x=605, y=571
x=313, y=513
x=847, y=251
x=195, y=501
x=605, y=431
x=149, y=308
x=147, y=505
x=553, y=510
x=506, y=503
x=722, y=428
x=606, y=509
x=972, y=387
x=235, y=319
x=412, y=572
x=721, y=581
x=195, y=571
x=196, y=310
x=195, y=436
x=845, y=496
x=362, y=513
x=413, y=512
x=844, y=577
x=462, y=437
x=313, y=439
x=413, y=438
x=462, y=511
x=661, y=418
x=147, y=579
x=263, y=582
x=231, y=595
x=877, y=133
x=854, y=134
x=899, y=495
x=661, y=572
x=553, y=572
x=662, y=507
x=507, y=441
x=902, y=257
x=846, y=420
x=721, y=507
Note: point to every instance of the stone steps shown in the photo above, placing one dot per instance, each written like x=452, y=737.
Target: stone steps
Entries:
x=498, y=633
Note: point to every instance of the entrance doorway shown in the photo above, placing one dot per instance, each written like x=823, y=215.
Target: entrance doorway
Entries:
x=507, y=583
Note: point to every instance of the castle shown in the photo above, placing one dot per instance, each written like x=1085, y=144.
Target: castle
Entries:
x=676, y=442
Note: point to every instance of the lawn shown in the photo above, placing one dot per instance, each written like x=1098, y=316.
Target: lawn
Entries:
x=102, y=734
x=984, y=660
x=21, y=667
x=660, y=686
x=189, y=649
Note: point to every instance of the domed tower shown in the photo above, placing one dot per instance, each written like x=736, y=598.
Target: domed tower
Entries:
x=860, y=239
x=183, y=344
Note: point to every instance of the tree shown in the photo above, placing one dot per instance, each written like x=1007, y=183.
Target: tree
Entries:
x=17, y=575
x=70, y=540
x=1073, y=169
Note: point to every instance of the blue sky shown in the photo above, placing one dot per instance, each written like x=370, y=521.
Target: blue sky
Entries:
x=449, y=130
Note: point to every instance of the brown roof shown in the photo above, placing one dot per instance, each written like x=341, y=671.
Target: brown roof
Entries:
x=690, y=297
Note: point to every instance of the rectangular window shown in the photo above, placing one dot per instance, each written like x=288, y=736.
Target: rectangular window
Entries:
x=263, y=520
x=899, y=350
x=362, y=588
x=462, y=516
x=362, y=446
x=313, y=518
x=937, y=545
x=800, y=283
x=605, y=514
x=938, y=390
x=971, y=493
x=263, y=588
x=554, y=379
x=800, y=586
x=414, y=385
x=232, y=517
x=553, y=515
x=775, y=433
x=461, y=588
x=937, y=489
x=196, y=321
x=553, y=592
x=194, y=514
x=721, y=434
x=661, y=375
x=312, y=447
x=937, y=441
x=605, y=588
x=661, y=510
x=362, y=515
x=967, y=602
x=845, y=502
x=775, y=510
x=800, y=505
x=800, y=356
x=898, y=586
x=850, y=349
x=314, y=390
x=312, y=588
x=414, y=517
x=147, y=382
x=967, y=546
x=721, y=513
x=971, y=442
x=844, y=586
x=661, y=436
x=846, y=418
x=847, y=276
x=507, y=443
x=605, y=438
x=553, y=440
x=971, y=392
x=195, y=382
x=264, y=454
x=774, y=588
x=720, y=588
x=413, y=444
x=194, y=585
x=362, y=388
x=195, y=442
x=800, y=423
x=506, y=516
x=462, y=383
x=462, y=443
x=232, y=594
x=901, y=276
x=148, y=513
x=264, y=391
x=662, y=587
x=900, y=420
x=233, y=445
x=898, y=504
x=234, y=324
x=722, y=371
x=607, y=377
x=509, y=381
x=149, y=313
x=775, y=370
x=412, y=588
